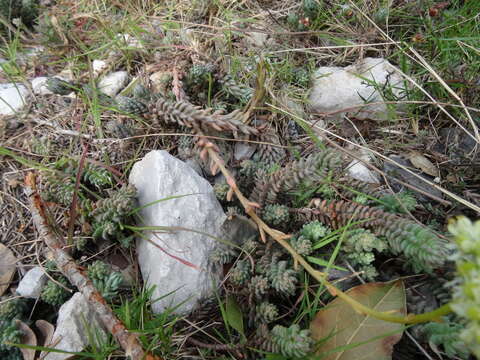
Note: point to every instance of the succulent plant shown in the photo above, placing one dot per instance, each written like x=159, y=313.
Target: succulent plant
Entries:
x=199, y=73
x=301, y=77
x=223, y=255
x=9, y=332
x=60, y=87
x=292, y=341
x=302, y=245
x=54, y=294
x=250, y=245
x=11, y=309
x=314, y=231
x=221, y=190
x=361, y=240
x=241, y=272
x=241, y=92
x=259, y=285
x=107, y=282
x=59, y=190
x=130, y=105
x=399, y=203
x=276, y=214
x=282, y=278
x=97, y=176
x=466, y=297
x=446, y=334
x=266, y=312
x=109, y=213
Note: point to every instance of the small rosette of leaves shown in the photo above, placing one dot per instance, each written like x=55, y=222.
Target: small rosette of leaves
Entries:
x=59, y=190
x=236, y=90
x=221, y=191
x=199, y=74
x=9, y=333
x=11, y=309
x=109, y=214
x=130, y=105
x=447, y=335
x=223, y=255
x=282, y=278
x=241, y=272
x=259, y=286
x=466, y=297
x=314, y=231
x=301, y=77
x=55, y=294
x=361, y=240
x=266, y=312
x=302, y=245
x=60, y=87
x=398, y=203
x=276, y=214
x=292, y=342
x=96, y=176
x=107, y=282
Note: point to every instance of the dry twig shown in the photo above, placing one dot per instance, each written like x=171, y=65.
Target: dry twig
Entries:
x=127, y=340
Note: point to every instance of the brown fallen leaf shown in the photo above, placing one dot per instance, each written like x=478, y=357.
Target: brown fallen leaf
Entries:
x=8, y=266
x=338, y=324
x=28, y=338
x=45, y=330
x=422, y=163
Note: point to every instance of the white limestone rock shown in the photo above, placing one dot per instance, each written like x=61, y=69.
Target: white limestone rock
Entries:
x=98, y=66
x=32, y=283
x=336, y=89
x=359, y=171
x=12, y=98
x=158, y=176
x=112, y=83
x=39, y=86
x=75, y=319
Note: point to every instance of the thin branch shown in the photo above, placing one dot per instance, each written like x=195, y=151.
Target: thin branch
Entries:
x=127, y=340
x=280, y=237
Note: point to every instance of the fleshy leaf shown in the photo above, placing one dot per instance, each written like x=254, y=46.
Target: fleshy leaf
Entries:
x=345, y=334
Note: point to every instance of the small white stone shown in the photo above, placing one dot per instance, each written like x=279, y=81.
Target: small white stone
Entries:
x=39, y=86
x=75, y=319
x=346, y=90
x=359, y=171
x=32, y=283
x=12, y=98
x=98, y=66
x=112, y=83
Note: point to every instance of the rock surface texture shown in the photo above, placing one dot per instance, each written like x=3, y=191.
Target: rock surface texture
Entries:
x=12, y=98
x=32, y=283
x=112, y=83
x=75, y=319
x=178, y=262
x=396, y=171
x=39, y=86
x=336, y=89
